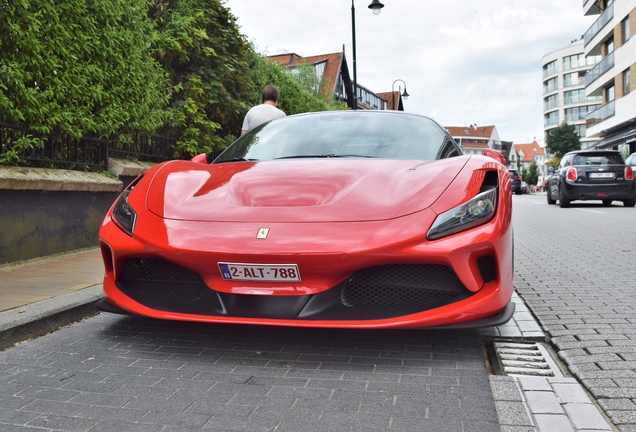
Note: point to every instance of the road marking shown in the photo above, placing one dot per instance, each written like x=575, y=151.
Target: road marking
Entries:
x=591, y=211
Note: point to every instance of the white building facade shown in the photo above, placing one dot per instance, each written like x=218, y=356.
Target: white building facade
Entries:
x=564, y=95
x=612, y=37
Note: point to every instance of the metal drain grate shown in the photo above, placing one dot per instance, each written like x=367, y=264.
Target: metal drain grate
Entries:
x=527, y=359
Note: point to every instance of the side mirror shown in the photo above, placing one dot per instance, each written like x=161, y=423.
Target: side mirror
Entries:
x=495, y=155
x=200, y=158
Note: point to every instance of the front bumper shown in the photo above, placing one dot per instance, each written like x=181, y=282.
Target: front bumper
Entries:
x=328, y=255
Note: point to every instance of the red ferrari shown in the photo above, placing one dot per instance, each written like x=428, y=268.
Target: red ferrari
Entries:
x=336, y=219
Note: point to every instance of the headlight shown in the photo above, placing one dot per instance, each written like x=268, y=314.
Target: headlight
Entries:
x=477, y=211
x=123, y=214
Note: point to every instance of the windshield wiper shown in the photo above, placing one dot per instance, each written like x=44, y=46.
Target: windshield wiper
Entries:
x=331, y=155
x=237, y=159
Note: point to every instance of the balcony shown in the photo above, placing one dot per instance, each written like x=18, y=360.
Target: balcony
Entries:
x=598, y=115
x=598, y=25
x=601, y=67
x=550, y=104
x=550, y=86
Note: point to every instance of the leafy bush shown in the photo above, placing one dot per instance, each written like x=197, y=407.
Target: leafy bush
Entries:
x=81, y=67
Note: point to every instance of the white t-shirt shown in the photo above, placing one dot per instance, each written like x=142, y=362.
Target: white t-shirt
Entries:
x=260, y=114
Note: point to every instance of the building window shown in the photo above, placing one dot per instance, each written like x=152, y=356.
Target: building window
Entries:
x=574, y=96
x=550, y=102
x=578, y=113
x=625, y=30
x=551, y=118
x=573, y=61
x=580, y=130
x=550, y=68
x=571, y=79
x=550, y=85
x=609, y=46
x=578, y=96
x=627, y=85
x=609, y=94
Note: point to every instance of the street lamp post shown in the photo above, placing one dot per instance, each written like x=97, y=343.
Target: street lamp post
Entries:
x=405, y=95
x=376, y=7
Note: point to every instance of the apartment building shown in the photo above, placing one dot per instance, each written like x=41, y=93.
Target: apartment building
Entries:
x=564, y=98
x=612, y=38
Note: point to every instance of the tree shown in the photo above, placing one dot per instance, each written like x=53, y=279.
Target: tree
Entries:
x=80, y=67
x=554, y=162
x=563, y=139
x=208, y=62
x=532, y=176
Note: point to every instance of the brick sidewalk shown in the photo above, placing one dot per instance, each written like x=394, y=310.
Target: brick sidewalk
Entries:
x=44, y=278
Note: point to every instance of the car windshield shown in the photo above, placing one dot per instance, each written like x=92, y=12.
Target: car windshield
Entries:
x=343, y=134
x=598, y=159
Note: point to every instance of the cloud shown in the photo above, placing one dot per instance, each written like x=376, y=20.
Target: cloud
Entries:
x=463, y=61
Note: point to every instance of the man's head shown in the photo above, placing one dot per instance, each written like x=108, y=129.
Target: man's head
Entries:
x=270, y=93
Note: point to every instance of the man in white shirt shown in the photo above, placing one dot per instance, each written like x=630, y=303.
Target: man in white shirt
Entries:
x=264, y=112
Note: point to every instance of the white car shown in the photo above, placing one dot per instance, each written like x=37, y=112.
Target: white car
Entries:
x=631, y=161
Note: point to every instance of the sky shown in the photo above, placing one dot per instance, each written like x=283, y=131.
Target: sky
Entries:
x=463, y=61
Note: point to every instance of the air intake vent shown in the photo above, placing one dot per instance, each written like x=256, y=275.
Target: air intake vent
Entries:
x=161, y=279
x=421, y=285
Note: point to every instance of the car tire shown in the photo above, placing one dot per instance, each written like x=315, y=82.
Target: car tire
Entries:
x=629, y=202
x=607, y=203
x=564, y=202
x=550, y=200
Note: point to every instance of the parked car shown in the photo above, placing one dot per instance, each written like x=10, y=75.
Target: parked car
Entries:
x=592, y=175
x=515, y=181
x=631, y=161
x=348, y=219
x=524, y=188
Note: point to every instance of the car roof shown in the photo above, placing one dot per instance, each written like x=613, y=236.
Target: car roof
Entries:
x=592, y=151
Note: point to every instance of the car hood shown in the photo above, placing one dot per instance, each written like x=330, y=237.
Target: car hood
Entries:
x=300, y=190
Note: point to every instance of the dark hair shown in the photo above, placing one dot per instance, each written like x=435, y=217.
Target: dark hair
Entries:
x=270, y=93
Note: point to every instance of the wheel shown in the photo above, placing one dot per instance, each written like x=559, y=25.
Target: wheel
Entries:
x=607, y=203
x=563, y=200
x=550, y=200
x=629, y=202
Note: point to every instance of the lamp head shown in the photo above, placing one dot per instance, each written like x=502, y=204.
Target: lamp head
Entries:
x=376, y=7
x=405, y=95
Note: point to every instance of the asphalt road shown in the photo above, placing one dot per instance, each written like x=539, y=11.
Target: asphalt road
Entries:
x=575, y=269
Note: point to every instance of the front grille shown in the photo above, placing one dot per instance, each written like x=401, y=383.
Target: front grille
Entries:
x=422, y=285
x=161, y=279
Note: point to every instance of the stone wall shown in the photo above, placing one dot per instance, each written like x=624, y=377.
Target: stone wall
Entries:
x=47, y=211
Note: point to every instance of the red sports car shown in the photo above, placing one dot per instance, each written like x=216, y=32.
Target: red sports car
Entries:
x=335, y=219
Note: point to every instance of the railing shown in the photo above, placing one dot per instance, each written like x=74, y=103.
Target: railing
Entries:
x=600, y=114
x=550, y=86
x=551, y=69
x=155, y=147
x=601, y=22
x=55, y=148
x=88, y=152
x=551, y=120
x=550, y=104
x=601, y=67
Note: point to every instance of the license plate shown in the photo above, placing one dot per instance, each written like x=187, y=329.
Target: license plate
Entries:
x=260, y=272
x=602, y=175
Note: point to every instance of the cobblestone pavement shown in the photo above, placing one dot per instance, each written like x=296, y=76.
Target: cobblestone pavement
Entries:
x=575, y=269
x=111, y=373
